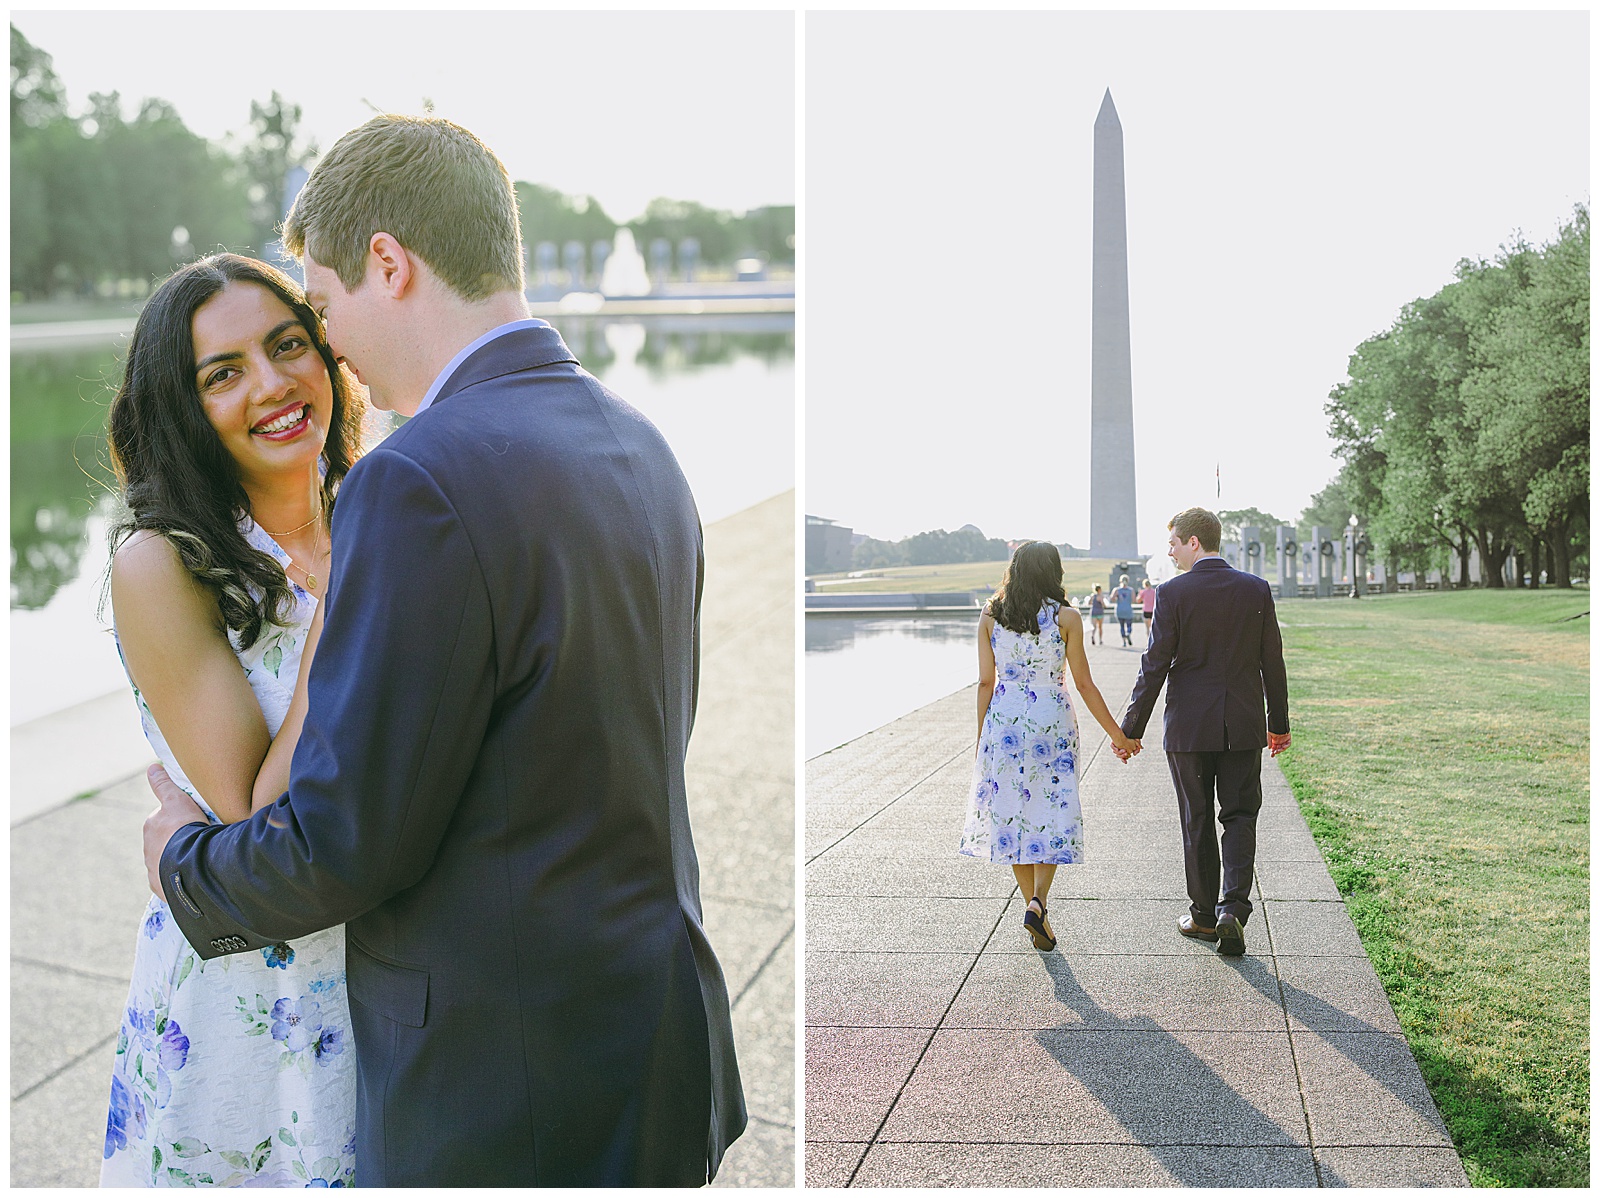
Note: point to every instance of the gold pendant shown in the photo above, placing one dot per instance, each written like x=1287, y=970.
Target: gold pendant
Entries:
x=311, y=581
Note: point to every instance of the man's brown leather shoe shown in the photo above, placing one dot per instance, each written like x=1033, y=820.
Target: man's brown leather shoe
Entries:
x=1188, y=927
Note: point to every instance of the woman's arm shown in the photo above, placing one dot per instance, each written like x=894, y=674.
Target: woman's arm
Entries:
x=1071, y=625
x=985, y=668
x=273, y=779
x=176, y=647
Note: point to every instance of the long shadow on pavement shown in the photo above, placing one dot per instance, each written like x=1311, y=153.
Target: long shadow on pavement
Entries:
x=1143, y=1093
x=1320, y=1016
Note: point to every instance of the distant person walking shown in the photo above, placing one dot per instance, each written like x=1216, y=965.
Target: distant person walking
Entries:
x=1023, y=809
x=1097, y=617
x=1147, y=602
x=1123, y=597
x=1218, y=650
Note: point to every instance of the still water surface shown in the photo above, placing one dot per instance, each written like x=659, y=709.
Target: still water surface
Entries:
x=863, y=671
x=720, y=389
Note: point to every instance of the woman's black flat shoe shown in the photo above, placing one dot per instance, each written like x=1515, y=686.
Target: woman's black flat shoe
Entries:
x=1042, y=941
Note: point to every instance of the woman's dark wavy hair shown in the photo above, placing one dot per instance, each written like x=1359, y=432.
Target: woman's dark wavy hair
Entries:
x=1032, y=576
x=176, y=476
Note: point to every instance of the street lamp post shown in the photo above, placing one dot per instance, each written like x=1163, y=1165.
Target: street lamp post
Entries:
x=1355, y=574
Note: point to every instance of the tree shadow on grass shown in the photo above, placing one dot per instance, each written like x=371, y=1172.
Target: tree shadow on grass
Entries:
x=1501, y=1141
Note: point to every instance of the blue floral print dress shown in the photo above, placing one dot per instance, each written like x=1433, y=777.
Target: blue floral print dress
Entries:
x=238, y=1070
x=1023, y=808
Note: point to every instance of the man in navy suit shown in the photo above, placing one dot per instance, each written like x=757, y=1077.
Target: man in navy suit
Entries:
x=489, y=788
x=1215, y=640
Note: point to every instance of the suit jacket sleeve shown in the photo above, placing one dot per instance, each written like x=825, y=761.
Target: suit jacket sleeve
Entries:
x=1274, y=677
x=1153, y=667
x=400, y=696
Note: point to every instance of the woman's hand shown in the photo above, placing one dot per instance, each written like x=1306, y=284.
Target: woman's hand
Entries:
x=1123, y=747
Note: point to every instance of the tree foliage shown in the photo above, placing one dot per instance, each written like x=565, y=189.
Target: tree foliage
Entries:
x=97, y=200
x=1466, y=424
x=274, y=148
x=724, y=237
x=935, y=548
x=551, y=215
x=1234, y=519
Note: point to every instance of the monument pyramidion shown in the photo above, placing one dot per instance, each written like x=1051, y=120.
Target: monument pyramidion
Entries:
x=1113, y=522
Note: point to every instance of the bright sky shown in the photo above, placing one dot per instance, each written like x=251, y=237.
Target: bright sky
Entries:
x=624, y=106
x=1293, y=179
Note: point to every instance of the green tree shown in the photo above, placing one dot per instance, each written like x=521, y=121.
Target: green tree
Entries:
x=873, y=554
x=1466, y=423
x=173, y=196
x=551, y=215
x=1528, y=399
x=1329, y=508
x=274, y=148
x=677, y=219
x=1394, y=421
x=37, y=97
x=39, y=128
x=767, y=233
x=96, y=198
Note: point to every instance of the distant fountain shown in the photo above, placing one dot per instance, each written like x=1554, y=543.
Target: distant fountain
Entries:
x=625, y=341
x=625, y=272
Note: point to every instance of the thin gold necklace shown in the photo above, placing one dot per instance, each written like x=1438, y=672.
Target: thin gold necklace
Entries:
x=316, y=550
x=294, y=530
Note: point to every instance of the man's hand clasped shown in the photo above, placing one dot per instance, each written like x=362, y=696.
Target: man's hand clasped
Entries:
x=1125, y=749
x=1277, y=743
x=176, y=810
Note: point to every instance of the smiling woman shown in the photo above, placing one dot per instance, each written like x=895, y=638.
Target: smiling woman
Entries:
x=234, y=421
x=254, y=354
x=225, y=346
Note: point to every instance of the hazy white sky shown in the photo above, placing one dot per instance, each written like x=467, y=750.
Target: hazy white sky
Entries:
x=1293, y=179
x=625, y=106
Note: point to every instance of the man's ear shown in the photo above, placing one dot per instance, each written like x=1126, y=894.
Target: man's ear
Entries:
x=390, y=265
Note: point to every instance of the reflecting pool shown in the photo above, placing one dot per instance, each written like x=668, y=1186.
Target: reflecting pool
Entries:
x=863, y=671
x=720, y=389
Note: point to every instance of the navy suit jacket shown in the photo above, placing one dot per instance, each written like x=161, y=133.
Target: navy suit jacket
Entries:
x=489, y=793
x=1214, y=640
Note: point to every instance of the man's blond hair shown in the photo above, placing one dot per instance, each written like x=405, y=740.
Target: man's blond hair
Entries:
x=428, y=183
x=1198, y=522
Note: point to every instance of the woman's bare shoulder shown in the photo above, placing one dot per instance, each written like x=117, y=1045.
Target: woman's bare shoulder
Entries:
x=146, y=559
x=146, y=571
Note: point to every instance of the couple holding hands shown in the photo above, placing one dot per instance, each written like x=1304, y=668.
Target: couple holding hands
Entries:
x=1214, y=641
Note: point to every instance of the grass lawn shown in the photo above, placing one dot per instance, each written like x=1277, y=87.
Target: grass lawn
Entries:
x=1441, y=757
x=1081, y=573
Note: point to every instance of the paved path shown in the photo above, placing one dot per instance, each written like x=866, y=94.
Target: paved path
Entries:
x=943, y=1050
x=78, y=888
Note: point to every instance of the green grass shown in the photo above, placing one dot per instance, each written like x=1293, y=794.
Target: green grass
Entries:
x=1441, y=757
x=1081, y=573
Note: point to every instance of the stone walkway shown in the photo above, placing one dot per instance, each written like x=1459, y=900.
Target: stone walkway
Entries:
x=943, y=1050
x=78, y=886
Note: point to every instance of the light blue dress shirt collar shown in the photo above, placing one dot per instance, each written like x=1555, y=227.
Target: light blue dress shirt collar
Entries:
x=451, y=367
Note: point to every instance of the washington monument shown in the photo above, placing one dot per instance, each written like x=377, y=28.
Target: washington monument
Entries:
x=1113, y=525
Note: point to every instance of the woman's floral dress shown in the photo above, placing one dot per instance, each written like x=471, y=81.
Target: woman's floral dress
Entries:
x=1024, y=804
x=238, y=1070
